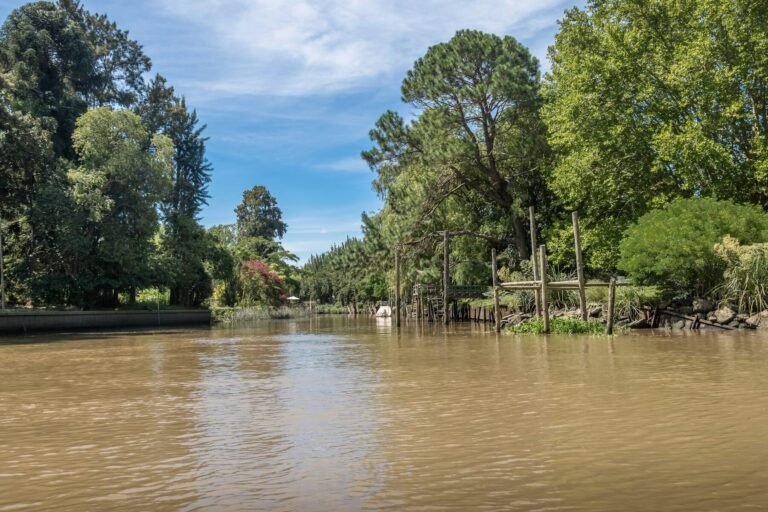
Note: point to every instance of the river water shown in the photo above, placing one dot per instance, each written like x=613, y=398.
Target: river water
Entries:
x=333, y=414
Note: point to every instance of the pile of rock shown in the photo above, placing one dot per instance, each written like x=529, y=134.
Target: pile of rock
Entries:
x=704, y=313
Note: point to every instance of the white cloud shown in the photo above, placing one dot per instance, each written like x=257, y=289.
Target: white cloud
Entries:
x=352, y=164
x=306, y=47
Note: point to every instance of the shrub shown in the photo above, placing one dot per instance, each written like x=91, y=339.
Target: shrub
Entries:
x=630, y=300
x=597, y=294
x=745, y=280
x=674, y=247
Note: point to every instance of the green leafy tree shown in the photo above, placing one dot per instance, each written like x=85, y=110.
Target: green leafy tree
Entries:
x=121, y=176
x=477, y=139
x=649, y=101
x=185, y=241
x=259, y=216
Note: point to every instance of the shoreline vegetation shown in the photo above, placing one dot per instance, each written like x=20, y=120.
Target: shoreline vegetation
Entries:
x=650, y=127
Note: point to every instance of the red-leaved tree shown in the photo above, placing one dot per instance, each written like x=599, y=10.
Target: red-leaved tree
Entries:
x=259, y=284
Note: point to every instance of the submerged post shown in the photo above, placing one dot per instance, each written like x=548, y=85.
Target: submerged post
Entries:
x=397, y=287
x=536, y=293
x=579, y=267
x=496, y=313
x=543, y=288
x=446, y=275
x=611, y=304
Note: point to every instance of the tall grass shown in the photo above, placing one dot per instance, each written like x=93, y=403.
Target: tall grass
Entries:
x=745, y=280
x=630, y=300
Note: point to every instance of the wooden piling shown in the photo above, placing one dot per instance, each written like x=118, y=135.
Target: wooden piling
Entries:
x=446, y=276
x=397, y=287
x=536, y=293
x=420, y=306
x=543, y=288
x=611, y=305
x=496, y=315
x=579, y=267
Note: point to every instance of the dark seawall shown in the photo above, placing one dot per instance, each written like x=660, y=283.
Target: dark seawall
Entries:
x=37, y=321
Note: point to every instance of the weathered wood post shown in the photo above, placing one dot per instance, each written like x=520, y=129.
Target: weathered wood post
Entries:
x=543, y=288
x=397, y=287
x=419, y=304
x=496, y=313
x=579, y=267
x=2, y=271
x=536, y=292
x=446, y=275
x=611, y=304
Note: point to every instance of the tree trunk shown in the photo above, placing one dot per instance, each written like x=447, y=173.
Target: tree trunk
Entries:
x=521, y=238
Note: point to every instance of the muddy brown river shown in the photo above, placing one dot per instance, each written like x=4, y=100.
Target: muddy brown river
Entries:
x=335, y=414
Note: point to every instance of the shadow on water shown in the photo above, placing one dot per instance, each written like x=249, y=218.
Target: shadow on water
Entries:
x=95, y=334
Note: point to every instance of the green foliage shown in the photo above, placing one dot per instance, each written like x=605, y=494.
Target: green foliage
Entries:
x=557, y=326
x=649, y=101
x=258, y=216
x=674, y=247
x=153, y=297
x=630, y=300
x=83, y=176
x=164, y=112
x=745, y=280
x=597, y=294
x=251, y=271
x=115, y=190
x=347, y=274
x=475, y=152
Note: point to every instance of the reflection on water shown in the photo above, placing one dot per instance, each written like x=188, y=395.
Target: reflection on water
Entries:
x=336, y=414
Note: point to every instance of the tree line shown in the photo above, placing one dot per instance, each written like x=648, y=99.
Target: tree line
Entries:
x=646, y=104
x=104, y=176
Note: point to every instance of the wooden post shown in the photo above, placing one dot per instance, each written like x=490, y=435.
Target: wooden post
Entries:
x=446, y=275
x=544, y=305
x=397, y=287
x=496, y=315
x=579, y=267
x=420, y=305
x=2, y=272
x=536, y=292
x=611, y=304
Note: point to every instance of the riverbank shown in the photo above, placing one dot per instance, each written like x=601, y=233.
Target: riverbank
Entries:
x=21, y=322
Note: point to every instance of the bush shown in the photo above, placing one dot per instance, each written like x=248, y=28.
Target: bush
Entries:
x=674, y=247
x=745, y=280
x=630, y=300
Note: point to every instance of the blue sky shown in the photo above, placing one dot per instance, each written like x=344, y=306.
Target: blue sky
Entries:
x=290, y=88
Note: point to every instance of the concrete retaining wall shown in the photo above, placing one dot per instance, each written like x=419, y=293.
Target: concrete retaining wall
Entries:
x=29, y=321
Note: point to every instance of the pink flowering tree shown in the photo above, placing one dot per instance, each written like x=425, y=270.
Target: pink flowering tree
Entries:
x=259, y=284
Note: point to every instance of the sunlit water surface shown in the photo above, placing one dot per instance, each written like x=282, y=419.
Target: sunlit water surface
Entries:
x=335, y=414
